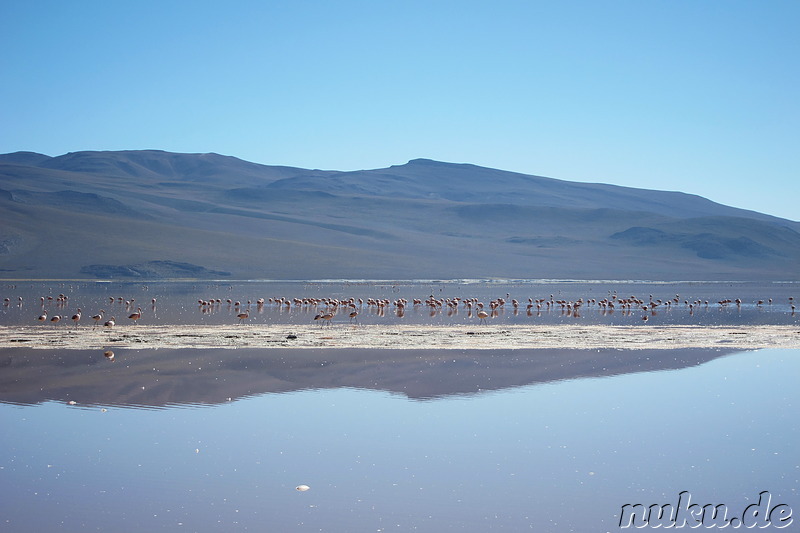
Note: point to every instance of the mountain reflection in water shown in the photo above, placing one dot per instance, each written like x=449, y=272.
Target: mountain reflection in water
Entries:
x=170, y=378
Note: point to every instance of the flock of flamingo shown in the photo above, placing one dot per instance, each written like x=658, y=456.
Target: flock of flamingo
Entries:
x=326, y=309
x=61, y=302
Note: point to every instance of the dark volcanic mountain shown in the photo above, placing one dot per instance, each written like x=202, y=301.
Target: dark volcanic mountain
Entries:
x=152, y=214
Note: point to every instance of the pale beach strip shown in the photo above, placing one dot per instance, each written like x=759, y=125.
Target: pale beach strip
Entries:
x=409, y=337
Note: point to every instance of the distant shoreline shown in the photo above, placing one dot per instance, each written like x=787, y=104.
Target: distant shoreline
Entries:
x=391, y=337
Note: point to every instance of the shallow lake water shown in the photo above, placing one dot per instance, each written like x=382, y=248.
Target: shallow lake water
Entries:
x=390, y=440
x=179, y=302
x=218, y=440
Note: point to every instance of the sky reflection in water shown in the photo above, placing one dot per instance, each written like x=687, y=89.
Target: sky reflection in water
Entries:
x=551, y=441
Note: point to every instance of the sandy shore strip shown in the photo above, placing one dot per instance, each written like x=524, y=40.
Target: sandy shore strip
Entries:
x=402, y=337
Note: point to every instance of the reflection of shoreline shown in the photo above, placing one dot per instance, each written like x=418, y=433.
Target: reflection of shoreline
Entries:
x=165, y=378
x=491, y=337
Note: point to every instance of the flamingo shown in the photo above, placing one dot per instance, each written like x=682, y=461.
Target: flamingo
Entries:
x=325, y=317
x=43, y=316
x=77, y=317
x=110, y=323
x=243, y=316
x=98, y=317
x=55, y=318
x=137, y=315
x=482, y=315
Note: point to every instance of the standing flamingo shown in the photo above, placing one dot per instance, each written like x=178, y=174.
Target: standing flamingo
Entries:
x=137, y=315
x=325, y=317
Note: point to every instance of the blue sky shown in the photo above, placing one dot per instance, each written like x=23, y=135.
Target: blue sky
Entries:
x=697, y=96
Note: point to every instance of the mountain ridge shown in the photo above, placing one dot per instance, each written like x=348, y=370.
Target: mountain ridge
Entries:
x=420, y=219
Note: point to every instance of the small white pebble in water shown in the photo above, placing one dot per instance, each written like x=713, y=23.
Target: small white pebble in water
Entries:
x=72, y=402
x=103, y=410
x=302, y=488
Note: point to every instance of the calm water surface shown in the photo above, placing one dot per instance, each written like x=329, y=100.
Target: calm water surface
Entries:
x=217, y=440
x=429, y=441
x=177, y=302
